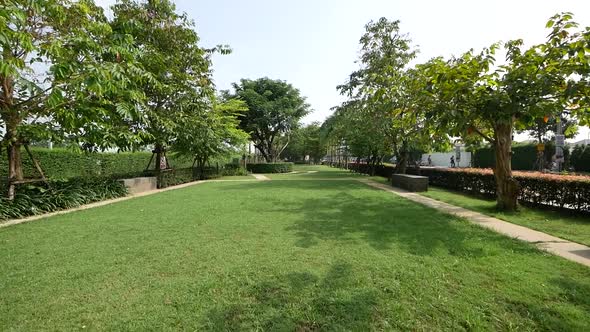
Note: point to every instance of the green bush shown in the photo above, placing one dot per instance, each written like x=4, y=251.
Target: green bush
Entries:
x=542, y=189
x=233, y=170
x=60, y=195
x=524, y=156
x=175, y=177
x=178, y=176
x=64, y=164
x=270, y=168
x=580, y=159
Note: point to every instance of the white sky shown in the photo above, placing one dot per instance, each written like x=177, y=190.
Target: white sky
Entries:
x=313, y=44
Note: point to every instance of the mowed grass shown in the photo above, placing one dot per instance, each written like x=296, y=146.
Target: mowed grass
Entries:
x=280, y=255
x=316, y=172
x=558, y=223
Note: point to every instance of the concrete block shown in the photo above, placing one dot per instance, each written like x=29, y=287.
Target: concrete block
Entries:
x=139, y=185
x=414, y=183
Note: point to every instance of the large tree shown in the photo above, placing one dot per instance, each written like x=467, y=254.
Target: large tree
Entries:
x=479, y=97
x=171, y=53
x=305, y=141
x=274, y=109
x=354, y=131
x=390, y=93
x=65, y=73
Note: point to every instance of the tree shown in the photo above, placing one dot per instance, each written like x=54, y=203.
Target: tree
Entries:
x=351, y=128
x=210, y=130
x=305, y=141
x=391, y=95
x=65, y=73
x=480, y=98
x=172, y=55
x=541, y=129
x=274, y=109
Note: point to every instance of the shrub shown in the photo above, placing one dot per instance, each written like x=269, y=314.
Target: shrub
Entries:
x=524, y=156
x=541, y=189
x=178, y=176
x=61, y=194
x=233, y=170
x=580, y=159
x=65, y=164
x=270, y=168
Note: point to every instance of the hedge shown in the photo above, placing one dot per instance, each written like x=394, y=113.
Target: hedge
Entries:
x=64, y=164
x=580, y=159
x=71, y=193
x=60, y=195
x=541, y=189
x=270, y=168
x=178, y=176
x=524, y=156
x=233, y=170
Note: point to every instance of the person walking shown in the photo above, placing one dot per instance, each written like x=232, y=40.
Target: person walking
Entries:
x=452, y=161
x=429, y=160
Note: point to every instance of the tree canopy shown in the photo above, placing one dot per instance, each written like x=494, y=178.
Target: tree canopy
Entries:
x=274, y=110
x=210, y=131
x=472, y=96
x=172, y=55
x=65, y=73
x=479, y=97
x=387, y=110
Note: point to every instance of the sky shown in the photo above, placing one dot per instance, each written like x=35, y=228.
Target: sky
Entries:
x=313, y=44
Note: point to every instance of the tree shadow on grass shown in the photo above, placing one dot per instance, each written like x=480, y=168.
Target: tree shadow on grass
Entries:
x=354, y=212
x=300, y=301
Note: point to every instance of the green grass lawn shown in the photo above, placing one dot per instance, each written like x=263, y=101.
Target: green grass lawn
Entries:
x=315, y=172
x=280, y=255
x=561, y=224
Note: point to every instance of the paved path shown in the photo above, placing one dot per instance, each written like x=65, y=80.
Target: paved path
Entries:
x=569, y=250
x=261, y=177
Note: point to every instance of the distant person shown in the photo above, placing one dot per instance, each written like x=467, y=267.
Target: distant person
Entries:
x=452, y=161
x=429, y=160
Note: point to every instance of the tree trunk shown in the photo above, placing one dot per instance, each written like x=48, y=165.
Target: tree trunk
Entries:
x=158, y=150
x=201, y=168
x=15, y=166
x=402, y=163
x=507, y=187
x=402, y=156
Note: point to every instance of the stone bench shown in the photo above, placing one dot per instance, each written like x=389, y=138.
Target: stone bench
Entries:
x=139, y=185
x=414, y=183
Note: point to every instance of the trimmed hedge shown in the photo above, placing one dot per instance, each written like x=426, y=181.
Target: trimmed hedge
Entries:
x=541, y=189
x=524, y=156
x=61, y=194
x=580, y=159
x=64, y=164
x=270, y=168
x=233, y=170
x=380, y=170
x=178, y=176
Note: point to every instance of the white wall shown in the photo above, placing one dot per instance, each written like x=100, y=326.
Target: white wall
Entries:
x=443, y=159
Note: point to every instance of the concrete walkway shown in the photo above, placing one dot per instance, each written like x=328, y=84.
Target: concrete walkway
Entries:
x=569, y=250
x=261, y=177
